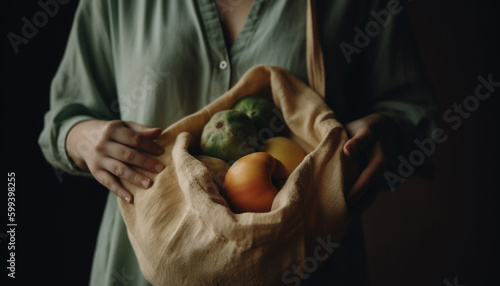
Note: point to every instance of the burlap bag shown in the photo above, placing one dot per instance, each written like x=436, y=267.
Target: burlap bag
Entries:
x=182, y=230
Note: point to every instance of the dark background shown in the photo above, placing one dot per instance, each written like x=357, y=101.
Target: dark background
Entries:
x=428, y=232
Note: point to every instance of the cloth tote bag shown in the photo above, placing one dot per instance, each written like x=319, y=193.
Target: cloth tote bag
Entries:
x=182, y=230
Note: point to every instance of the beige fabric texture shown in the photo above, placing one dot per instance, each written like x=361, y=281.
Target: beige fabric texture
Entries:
x=314, y=53
x=181, y=229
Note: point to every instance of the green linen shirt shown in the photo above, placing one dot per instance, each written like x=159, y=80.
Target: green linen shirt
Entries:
x=155, y=61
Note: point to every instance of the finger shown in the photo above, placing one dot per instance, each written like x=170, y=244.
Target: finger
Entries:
x=112, y=184
x=123, y=171
x=374, y=169
x=133, y=157
x=134, y=139
x=150, y=132
x=361, y=140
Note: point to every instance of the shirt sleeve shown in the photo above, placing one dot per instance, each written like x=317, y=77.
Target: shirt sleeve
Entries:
x=83, y=87
x=396, y=84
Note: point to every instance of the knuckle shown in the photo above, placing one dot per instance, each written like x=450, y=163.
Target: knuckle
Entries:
x=119, y=170
x=94, y=168
x=111, y=126
x=128, y=154
x=136, y=140
x=100, y=146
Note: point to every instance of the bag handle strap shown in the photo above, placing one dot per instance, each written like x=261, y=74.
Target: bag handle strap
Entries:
x=314, y=54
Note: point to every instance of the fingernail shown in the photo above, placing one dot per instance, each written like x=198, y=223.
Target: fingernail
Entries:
x=145, y=183
x=158, y=167
x=127, y=198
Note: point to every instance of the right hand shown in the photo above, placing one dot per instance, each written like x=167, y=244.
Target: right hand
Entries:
x=108, y=149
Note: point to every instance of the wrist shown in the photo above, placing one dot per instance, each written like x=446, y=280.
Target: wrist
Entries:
x=77, y=143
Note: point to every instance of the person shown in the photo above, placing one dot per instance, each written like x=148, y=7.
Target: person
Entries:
x=129, y=65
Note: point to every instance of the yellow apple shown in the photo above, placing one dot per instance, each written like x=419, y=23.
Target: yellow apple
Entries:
x=285, y=150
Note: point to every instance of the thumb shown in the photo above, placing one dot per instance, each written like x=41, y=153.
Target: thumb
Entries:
x=358, y=143
x=144, y=130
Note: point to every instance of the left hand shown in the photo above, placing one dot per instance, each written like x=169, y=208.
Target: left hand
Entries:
x=374, y=137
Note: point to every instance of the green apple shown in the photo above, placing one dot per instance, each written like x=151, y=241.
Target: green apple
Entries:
x=266, y=117
x=229, y=135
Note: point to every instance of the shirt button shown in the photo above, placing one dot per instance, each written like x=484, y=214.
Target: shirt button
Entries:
x=223, y=65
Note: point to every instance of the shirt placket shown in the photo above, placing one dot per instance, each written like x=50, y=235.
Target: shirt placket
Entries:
x=220, y=76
